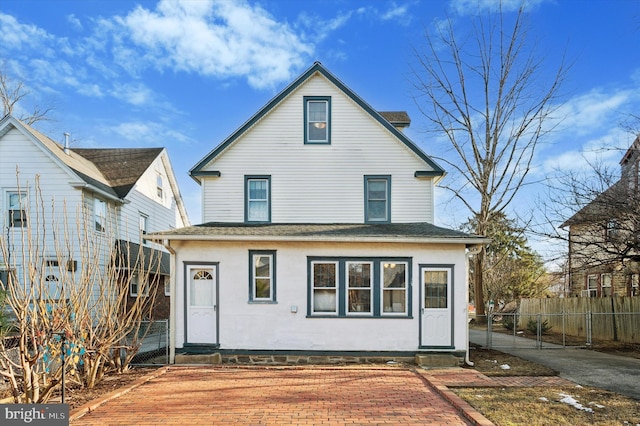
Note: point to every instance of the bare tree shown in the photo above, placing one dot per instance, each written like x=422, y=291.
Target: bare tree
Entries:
x=68, y=289
x=484, y=93
x=12, y=94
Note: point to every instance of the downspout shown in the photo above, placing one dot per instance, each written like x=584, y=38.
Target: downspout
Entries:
x=471, y=250
x=172, y=301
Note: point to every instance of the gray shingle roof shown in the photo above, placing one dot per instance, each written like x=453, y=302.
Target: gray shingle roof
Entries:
x=319, y=232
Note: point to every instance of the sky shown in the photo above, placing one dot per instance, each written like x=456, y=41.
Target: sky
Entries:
x=186, y=74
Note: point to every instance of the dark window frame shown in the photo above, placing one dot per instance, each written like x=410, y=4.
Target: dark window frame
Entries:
x=311, y=99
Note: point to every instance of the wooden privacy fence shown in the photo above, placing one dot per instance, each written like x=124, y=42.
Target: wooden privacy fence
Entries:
x=602, y=318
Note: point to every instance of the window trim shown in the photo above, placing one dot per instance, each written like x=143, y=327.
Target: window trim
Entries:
x=376, y=289
x=272, y=276
x=367, y=180
x=143, y=230
x=247, y=180
x=307, y=100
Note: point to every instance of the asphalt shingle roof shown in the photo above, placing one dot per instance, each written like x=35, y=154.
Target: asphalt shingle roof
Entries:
x=319, y=232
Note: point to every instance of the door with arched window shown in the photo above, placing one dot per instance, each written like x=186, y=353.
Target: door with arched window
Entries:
x=201, y=304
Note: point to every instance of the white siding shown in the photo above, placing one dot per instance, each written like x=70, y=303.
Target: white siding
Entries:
x=275, y=327
x=318, y=183
x=143, y=198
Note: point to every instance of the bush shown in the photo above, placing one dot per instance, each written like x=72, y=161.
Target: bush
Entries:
x=532, y=326
x=509, y=322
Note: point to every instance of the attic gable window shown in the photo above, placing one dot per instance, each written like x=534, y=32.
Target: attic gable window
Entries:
x=159, y=187
x=257, y=199
x=100, y=214
x=377, y=191
x=317, y=119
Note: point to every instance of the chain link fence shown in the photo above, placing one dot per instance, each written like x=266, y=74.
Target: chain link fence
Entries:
x=153, y=338
x=560, y=330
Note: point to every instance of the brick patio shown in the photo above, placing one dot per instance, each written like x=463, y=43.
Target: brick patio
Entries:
x=280, y=396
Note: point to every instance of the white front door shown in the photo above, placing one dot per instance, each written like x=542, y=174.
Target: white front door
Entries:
x=436, y=310
x=201, y=305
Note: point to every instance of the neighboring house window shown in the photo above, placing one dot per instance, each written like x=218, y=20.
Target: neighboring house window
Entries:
x=317, y=119
x=167, y=286
x=359, y=287
x=377, y=190
x=143, y=222
x=592, y=286
x=51, y=287
x=258, y=198
x=435, y=289
x=635, y=285
x=324, y=283
x=605, y=279
x=612, y=229
x=394, y=288
x=100, y=214
x=262, y=282
x=17, y=202
x=136, y=287
x=344, y=287
x=159, y=186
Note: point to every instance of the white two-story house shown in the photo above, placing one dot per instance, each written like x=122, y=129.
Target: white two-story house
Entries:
x=62, y=199
x=319, y=237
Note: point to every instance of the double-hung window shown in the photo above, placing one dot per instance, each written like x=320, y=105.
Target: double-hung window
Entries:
x=360, y=275
x=377, y=206
x=143, y=223
x=356, y=287
x=17, y=203
x=257, y=199
x=324, y=291
x=262, y=276
x=317, y=119
x=100, y=214
x=394, y=288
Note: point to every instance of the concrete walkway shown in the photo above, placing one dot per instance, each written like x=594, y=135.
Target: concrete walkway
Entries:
x=583, y=366
x=282, y=396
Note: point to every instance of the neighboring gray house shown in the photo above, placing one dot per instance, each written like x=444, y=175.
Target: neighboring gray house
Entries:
x=319, y=237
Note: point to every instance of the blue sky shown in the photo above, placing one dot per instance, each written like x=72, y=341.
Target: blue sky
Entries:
x=185, y=75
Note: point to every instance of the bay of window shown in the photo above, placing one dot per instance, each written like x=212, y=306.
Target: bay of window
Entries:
x=324, y=287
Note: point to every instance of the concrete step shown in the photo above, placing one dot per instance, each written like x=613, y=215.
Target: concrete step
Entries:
x=438, y=360
x=201, y=359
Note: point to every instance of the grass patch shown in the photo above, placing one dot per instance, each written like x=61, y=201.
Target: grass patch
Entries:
x=542, y=406
x=490, y=363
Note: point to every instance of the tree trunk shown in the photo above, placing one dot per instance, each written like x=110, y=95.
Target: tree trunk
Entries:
x=478, y=288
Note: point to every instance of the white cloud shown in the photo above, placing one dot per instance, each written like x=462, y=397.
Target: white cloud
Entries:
x=471, y=7
x=395, y=12
x=74, y=22
x=148, y=133
x=18, y=36
x=217, y=38
x=133, y=93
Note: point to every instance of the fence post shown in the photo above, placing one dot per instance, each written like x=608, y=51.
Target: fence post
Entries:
x=589, y=331
x=489, y=330
x=564, y=331
x=539, y=332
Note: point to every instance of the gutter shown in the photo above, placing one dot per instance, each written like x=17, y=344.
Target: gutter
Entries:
x=172, y=301
x=319, y=238
x=472, y=250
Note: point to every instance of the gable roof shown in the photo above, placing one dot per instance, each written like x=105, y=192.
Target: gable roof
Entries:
x=122, y=167
x=111, y=172
x=603, y=207
x=317, y=67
